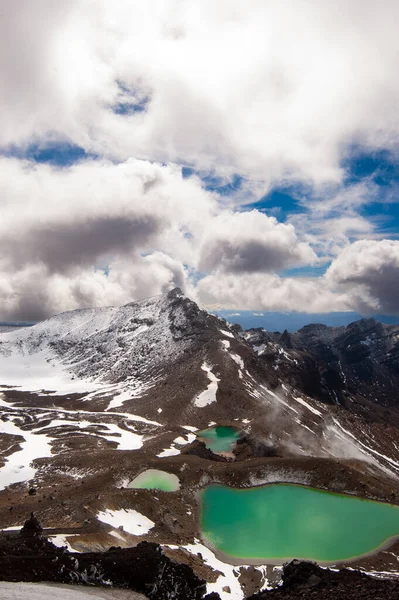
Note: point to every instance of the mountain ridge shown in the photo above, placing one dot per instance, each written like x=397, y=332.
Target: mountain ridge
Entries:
x=360, y=358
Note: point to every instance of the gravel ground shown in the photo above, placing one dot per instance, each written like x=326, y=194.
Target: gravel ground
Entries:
x=40, y=591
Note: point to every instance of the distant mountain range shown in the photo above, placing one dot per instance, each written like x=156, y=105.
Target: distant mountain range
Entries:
x=292, y=321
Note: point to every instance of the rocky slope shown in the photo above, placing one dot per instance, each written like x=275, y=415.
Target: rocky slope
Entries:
x=305, y=580
x=356, y=366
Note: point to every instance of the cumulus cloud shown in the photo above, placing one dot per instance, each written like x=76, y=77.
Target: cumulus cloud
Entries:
x=100, y=233
x=61, y=246
x=33, y=293
x=97, y=233
x=362, y=278
x=251, y=242
x=271, y=292
x=99, y=207
x=369, y=269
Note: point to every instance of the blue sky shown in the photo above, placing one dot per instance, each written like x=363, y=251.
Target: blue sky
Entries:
x=55, y=154
x=248, y=154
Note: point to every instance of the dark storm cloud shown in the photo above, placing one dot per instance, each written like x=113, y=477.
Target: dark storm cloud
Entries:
x=251, y=257
x=370, y=270
x=252, y=242
x=62, y=246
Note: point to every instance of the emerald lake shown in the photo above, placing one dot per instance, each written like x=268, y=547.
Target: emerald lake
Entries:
x=283, y=521
x=154, y=479
x=220, y=439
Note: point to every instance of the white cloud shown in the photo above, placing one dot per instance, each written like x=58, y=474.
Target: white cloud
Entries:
x=34, y=293
x=331, y=218
x=144, y=204
x=271, y=292
x=151, y=230
x=142, y=221
x=269, y=90
x=251, y=242
x=362, y=278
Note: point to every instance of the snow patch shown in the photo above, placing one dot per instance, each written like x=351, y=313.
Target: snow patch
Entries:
x=229, y=573
x=131, y=520
x=181, y=441
x=172, y=451
x=118, y=400
x=39, y=371
x=260, y=349
x=227, y=333
x=60, y=541
x=238, y=360
x=313, y=410
x=209, y=395
x=126, y=440
x=17, y=467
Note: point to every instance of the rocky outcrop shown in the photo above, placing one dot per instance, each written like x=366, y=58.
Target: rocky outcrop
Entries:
x=29, y=557
x=336, y=364
x=32, y=527
x=198, y=448
x=306, y=580
x=249, y=446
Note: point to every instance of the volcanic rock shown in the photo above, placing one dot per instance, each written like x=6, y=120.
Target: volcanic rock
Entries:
x=307, y=581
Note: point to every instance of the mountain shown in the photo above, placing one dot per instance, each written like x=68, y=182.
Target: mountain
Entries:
x=356, y=366
x=91, y=398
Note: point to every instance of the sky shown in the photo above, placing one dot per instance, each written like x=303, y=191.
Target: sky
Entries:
x=245, y=152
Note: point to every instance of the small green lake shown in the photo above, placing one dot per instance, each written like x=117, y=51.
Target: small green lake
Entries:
x=283, y=521
x=220, y=439
x=154, y=479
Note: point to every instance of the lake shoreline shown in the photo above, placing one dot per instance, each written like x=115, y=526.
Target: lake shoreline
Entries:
x=232, y=494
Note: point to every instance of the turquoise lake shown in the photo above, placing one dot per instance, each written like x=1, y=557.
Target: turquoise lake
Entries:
x=283, y=521
x=220, y=439
x=154, y=479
